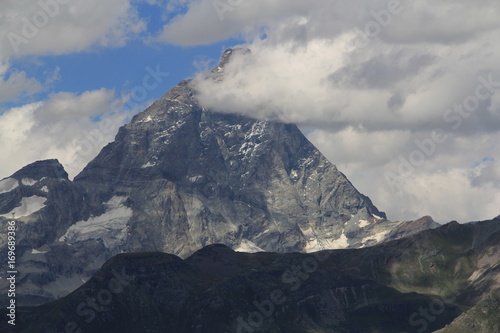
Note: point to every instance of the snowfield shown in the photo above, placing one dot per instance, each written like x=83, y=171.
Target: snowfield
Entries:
x=29, y=205
x=8, y=184
x=377, y=237
x=314, y=243
x=34, y=251
x=28, y=181
x=363, y=223
x=111, y=226
x=248, y=246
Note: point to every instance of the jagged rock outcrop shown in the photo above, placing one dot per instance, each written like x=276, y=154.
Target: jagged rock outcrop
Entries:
x=44, y=203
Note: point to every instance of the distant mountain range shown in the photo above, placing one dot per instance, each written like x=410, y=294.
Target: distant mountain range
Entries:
x=444, y=280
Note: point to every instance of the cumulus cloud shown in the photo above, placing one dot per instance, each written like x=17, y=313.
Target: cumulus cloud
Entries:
x=458, y=180
x=15, y=84
x=332, y=81
x=403, y=96
x=426, y=21
x=206, y=22
x=64, y=26
x=55, y=27
x=72, y=128
x=68, y=126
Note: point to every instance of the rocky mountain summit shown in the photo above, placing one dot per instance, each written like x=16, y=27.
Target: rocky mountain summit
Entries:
x=177, y=178
x=441, y=280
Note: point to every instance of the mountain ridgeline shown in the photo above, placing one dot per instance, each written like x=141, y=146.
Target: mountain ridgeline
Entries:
x=444, y=280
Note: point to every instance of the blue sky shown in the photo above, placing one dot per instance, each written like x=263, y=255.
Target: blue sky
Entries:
x=119, y=68
x=116, y=68
x=404, y=97
x=97, y=68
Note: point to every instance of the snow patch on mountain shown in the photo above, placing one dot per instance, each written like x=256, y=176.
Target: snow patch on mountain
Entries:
x=148, y=165
x=363, y=223
x=315, y=244
x=145, y=120
x=378, y=237
x=8, y=184
x=111, y=227
x=29, y=205
x=248, y=246
x=28, y=182
x=339, y=243
x=34, y=251
x=194, y=179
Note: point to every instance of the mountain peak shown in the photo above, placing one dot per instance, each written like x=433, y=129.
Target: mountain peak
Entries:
x=229, y=179
x=227, y=55
x=47, y=168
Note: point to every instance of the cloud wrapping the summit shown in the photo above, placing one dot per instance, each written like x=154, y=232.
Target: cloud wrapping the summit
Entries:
x=373, y=83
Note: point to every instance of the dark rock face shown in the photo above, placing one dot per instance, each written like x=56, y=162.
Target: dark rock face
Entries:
x=51, y=169
x=178, y=178
x=420, y=283
x=44, y=203
x=223, y=179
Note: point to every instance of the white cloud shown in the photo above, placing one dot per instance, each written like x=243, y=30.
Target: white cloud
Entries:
x=416, y=22
x=206, y=22
x=459, y=181
x=68, y=126
x=14, y=84
x=54, y=27
x=72, y=128
x=67, y=106
x=376, y=81
x=65, y=26
x=330, y=81
x=357, y=146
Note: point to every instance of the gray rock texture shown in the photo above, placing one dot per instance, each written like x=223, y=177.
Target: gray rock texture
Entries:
x=177, y=178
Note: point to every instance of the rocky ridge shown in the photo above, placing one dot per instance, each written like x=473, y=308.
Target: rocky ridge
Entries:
x=446, y=278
